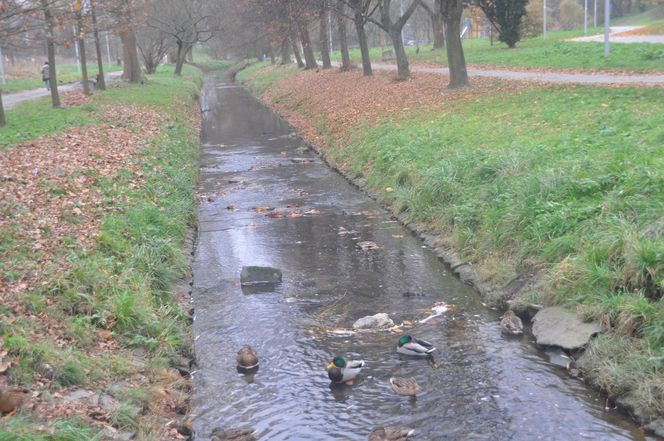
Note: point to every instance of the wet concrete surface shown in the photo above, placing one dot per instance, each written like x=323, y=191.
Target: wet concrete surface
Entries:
x=266, y=200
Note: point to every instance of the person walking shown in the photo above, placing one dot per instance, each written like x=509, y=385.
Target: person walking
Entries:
x=46, y=75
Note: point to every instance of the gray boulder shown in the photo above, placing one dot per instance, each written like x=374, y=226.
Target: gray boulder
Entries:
x=377, y=321
x=656, y=427
x=556, y=327
x=259, y=275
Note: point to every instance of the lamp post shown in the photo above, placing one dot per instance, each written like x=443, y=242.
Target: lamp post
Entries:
x=544, y=22
x=585, y=16
x=607, y=19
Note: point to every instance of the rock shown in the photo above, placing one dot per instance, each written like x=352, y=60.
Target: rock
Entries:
x=558, y=357
x=556, y=327
x=107, y=402
x=631, y=405
x=77, y=395
x=113, y=435
x=118, y=388
x=377, y=321
x=260, y=275
x=656, y=427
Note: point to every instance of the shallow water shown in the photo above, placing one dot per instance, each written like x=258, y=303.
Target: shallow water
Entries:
x=487, y=386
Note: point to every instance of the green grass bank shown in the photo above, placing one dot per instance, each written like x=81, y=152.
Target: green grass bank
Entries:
x=67, y=73
x=537, y=53
x=566, y=182
x=113, y=308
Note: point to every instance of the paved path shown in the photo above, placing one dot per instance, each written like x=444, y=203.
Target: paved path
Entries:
x=11, y=100
x=649, y=80
x=615, y=37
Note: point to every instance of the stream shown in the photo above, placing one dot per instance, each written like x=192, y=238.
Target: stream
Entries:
x=265, y=199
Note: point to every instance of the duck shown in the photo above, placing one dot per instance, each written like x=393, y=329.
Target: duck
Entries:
x=11, y=399
x=220, y=434
x=247, y=358
x=510, y=323
x=391, y=433
x=405, y=386
x=407, y=345
x=341, y=370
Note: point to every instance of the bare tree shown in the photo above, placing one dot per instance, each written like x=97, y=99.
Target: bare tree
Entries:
x=343, y=39
x=451, y=11
x=80, y=38
x=187, y=22
x=101, y=81
x=50, y=45
x=393, y=29
x=153, y=47
x=437, y=25
x=324, y=34
x=362, y=10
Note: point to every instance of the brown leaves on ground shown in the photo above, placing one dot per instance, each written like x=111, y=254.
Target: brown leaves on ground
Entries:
x=75, y=98
x=341, y=101
x=48, y=197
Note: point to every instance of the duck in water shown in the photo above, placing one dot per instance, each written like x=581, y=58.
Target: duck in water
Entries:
x=246, y=358
x=405, y=386
x=341, y=370
x=408, y=345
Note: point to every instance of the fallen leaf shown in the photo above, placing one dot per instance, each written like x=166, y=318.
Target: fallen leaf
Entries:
x=368, y=245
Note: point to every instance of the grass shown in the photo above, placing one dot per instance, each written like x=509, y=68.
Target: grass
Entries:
x=66, y=74
x=32, y=119
x=567, y=179
x=268, y=75
x=124, y=282
x=537, y=53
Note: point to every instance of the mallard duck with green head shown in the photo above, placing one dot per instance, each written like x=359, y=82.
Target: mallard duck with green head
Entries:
x=341, y=370
x=408, y=345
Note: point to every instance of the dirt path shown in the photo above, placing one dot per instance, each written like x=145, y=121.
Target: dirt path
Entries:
x=11, y=100
x=605, y=78
x=615, y=36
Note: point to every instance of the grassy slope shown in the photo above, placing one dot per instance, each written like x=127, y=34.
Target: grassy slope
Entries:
x=552, y=53
x=569, y=179
x=66, y=74
x=126, y=277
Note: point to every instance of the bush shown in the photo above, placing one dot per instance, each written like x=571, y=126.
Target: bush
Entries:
x=571, y=14
x=532, y=22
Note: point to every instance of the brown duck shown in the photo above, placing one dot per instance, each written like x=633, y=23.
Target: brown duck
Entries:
x=220, y=434
x=391, y=433
x=510, y=323
x=247, y=358
x=405, y=386
x=11, y=399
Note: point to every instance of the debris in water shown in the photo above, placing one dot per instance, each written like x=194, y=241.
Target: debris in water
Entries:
x=368, y=245
x=439, y=308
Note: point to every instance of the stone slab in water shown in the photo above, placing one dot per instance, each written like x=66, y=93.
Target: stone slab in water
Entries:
x=556, y=327
x=656, y=427
x=377, y=321
x=260, y=275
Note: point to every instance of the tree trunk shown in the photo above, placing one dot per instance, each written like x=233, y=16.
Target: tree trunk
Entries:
x=132, y=68
x=273, y=59
x=50, y=44
x=285, y=51
x=81, y=47
x=179, y=59
x=101, y=82
x=296, y=50
x=364, y=46
x=403, y=71
x=309, y=57
x=343, y=39
x=3, y=120
x=324, y=35
x=438, y=27
x=455, y=58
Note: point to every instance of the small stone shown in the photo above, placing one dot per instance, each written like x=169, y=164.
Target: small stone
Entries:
x=260, y=275
x=656, y=427
x=108, y=402
x=78, y=395
x=556, y=327
x=377, y=321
